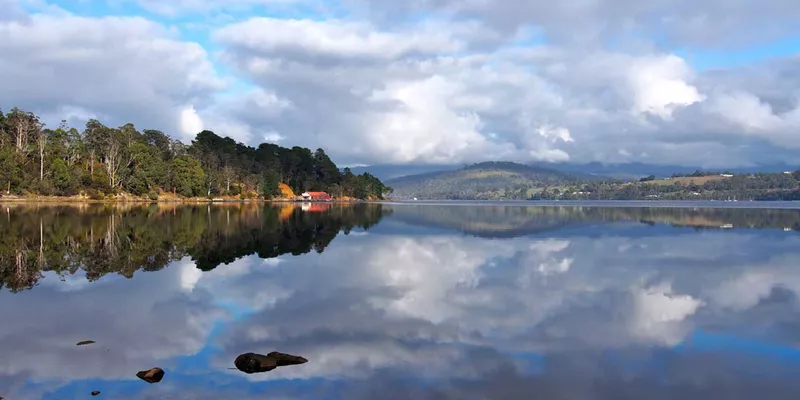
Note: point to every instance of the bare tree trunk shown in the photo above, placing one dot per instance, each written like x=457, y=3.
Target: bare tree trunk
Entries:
x=229, y=174
x=22, y=135
x=42, y=144
x=112, y=162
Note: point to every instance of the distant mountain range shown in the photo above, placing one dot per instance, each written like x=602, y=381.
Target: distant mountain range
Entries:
x=484, y=181
x=625, y=171
x=513, y=181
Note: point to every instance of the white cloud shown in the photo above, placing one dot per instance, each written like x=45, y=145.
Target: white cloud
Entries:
x=660, y=84
x=190, y=123
x=128, y=70
x=422, y=82
x=337, y=39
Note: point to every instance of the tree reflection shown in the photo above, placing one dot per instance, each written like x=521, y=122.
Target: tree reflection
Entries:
x=125, y=238
x=103, y=239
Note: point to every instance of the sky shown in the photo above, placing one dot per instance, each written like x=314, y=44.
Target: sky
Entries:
x=711, y=83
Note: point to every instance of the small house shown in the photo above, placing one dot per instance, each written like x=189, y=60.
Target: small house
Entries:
x=316, y=196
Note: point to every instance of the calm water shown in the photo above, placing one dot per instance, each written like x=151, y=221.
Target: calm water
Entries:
x=401, y=301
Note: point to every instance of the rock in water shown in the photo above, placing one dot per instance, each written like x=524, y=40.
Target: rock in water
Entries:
x=287, y=359
x=152, y=375
x=252, y=363
x=85, y=342
x=95, y=393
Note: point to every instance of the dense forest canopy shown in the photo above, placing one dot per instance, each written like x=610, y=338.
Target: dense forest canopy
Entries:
x=100, y=160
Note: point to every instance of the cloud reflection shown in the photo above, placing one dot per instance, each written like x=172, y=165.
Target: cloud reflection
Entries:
x=622, y=315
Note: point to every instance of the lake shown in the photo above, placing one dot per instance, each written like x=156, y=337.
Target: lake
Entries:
x=401, y=301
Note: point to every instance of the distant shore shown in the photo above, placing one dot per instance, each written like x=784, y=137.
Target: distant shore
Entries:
x=772, y=204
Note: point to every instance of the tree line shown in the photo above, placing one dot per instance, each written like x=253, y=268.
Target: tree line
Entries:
x=99, y=161
x=742, y=187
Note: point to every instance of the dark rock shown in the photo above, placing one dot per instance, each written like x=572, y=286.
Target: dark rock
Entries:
x=152, y=375
x=95, y=393
x=252, y=363
x=287, y=359
x=85, y=342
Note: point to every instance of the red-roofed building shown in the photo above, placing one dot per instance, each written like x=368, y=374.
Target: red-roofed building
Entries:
x=316, y=196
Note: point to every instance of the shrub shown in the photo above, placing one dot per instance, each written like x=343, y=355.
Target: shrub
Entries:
x=94, y=194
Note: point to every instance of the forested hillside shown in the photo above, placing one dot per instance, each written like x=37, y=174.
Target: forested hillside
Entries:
x=99, y=161
x=697, y=186
x=483, y=181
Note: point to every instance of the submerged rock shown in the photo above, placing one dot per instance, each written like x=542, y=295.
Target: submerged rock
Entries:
x=152, y=375
x=85, y=342
x=252, y=363
x=95, y=393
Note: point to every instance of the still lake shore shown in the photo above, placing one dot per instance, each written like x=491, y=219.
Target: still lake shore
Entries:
x=170, y=199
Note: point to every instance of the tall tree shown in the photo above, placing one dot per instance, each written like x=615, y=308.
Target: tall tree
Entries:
x=269, y=185
x=23, y=125
x=325, y=170
x=96, y=138
x=41, y=144
x=113, y=155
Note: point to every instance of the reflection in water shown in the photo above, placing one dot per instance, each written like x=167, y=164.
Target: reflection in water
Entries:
x=587, y=304
x=511, y=221
x=106, y=239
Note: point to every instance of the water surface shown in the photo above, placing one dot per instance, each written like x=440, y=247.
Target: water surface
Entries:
x=400, y=301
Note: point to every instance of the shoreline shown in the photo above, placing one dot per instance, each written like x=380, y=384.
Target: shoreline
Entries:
x=755, y=204
x=54, y=199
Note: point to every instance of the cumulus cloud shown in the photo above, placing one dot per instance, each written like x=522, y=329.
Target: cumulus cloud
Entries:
x=542, y=103
x=436, y=82
x=127, y=70
x=714, y=23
